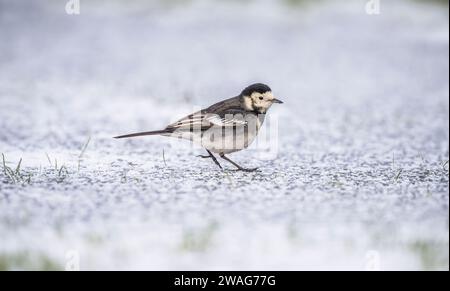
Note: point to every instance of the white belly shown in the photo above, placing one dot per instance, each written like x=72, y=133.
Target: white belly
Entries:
x=227, y=141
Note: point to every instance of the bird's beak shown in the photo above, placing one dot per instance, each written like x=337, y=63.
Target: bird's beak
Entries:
x=277, y=101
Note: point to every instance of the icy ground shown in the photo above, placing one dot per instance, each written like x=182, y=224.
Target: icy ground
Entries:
x=360, y=179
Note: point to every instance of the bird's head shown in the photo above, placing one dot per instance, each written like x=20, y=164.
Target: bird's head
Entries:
x=259, y=98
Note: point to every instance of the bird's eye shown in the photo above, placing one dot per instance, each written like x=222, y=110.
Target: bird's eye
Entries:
x=261, y=97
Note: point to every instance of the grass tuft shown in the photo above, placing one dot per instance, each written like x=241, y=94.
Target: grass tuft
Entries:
x=83, y=151
x=398, y=175
x=164, y=158
x=445, y=165
x=15, y=176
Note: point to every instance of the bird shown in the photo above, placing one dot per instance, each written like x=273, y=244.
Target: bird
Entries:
x=225, y=127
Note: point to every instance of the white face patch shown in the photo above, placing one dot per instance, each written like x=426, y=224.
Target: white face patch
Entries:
x=258, y=101
x=262, y=102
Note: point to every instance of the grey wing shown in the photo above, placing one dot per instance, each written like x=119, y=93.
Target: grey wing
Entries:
x=224, y=113
x=193, y=121
x=204, y=120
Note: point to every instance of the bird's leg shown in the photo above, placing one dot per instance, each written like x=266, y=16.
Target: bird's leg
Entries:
x=236, y=165
x=212, y=157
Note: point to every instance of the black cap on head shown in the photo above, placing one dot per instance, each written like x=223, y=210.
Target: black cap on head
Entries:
x=258, y=87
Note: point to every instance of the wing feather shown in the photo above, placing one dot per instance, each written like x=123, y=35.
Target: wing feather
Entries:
x=205, y=121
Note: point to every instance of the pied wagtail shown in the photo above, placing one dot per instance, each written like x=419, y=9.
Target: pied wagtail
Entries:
x=225, y=127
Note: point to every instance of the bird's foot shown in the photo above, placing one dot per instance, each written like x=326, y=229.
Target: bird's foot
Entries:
x=246, y=170
x=203, y=157
x=211, y=156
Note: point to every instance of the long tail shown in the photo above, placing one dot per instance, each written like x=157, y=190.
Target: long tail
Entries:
x=156, y=132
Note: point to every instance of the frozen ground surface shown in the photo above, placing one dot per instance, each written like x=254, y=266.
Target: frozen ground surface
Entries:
x=360, y=180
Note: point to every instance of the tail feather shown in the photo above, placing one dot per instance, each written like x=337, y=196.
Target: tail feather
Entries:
x=156, y=132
